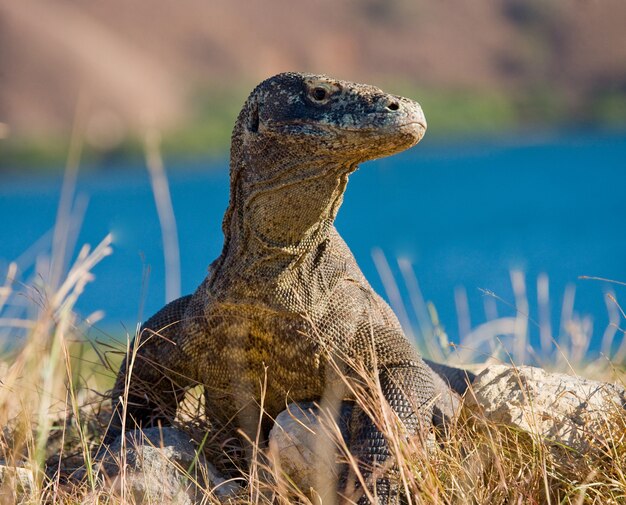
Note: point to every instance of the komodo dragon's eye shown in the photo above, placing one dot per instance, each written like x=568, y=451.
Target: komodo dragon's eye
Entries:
x=319, y=93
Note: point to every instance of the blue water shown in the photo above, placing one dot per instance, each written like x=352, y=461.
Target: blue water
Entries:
x=463, y=214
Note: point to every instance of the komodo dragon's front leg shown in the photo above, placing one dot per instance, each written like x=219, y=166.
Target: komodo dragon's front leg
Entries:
x=153, y=376
x=406, y=384
x=405, y=387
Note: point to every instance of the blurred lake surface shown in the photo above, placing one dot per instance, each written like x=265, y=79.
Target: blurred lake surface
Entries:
x=464, y=215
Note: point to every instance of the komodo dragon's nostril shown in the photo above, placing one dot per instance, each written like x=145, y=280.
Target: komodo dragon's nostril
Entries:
x=393, y=106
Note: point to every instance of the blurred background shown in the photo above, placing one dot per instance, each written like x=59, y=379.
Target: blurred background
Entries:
x=479, y=234
x=477, y=66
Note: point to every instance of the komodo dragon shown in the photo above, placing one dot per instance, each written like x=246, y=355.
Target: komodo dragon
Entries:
x=286, y=295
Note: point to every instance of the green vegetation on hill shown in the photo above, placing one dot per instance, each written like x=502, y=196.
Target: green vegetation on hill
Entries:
x=450, y=114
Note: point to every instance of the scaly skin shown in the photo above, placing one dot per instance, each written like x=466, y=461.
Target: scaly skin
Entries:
x=286, y=297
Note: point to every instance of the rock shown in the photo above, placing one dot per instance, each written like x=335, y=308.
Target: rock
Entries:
x=16, y=484
x=297, y=439
x=560, y=408
x=162, y=467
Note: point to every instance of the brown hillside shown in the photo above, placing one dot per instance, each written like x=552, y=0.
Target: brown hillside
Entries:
x=139, y=63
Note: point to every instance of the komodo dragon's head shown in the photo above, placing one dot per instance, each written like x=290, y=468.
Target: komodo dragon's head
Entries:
x=296, y=140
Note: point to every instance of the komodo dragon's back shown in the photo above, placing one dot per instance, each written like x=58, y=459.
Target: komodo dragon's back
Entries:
x=285, y=301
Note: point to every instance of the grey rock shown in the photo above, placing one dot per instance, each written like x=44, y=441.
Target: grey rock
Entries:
x=306, y=447
x=16, y=484
x=161, y=466
x=556, y=407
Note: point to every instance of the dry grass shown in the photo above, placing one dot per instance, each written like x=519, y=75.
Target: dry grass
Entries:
x=53, y=423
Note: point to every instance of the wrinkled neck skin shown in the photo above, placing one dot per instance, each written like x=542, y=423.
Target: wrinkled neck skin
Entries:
x=280, y=211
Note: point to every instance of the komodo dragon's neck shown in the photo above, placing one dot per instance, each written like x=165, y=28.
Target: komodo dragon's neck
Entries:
x=279, y=221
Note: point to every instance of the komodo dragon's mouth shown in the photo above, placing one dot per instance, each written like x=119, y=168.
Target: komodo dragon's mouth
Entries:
x=411, y=123
x=369, y=128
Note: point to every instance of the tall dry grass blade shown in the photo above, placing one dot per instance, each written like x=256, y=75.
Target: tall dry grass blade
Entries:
x=620, y=354
x=518, y=282
x=611, y=329
x=591, y=278
x=165, y=210
x=436, y=350
x=462, y=312
x=567, y=313
x=392, y=290
x=543, y=307
x=63, y=241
